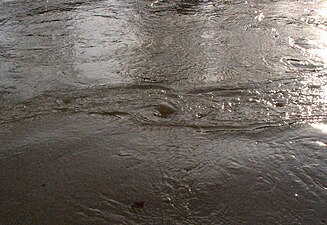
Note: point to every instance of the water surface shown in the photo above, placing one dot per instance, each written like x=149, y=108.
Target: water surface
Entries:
x=163, y=112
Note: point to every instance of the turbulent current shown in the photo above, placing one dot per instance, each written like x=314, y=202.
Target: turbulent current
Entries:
x=163, y=112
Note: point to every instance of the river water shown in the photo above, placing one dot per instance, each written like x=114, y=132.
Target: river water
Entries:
x=163, y=112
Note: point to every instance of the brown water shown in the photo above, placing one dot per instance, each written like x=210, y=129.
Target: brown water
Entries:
x=163, y=112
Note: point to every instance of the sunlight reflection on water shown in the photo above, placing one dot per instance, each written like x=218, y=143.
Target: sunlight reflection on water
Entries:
x=323, y=10
x=320, y=126
x=322, y=52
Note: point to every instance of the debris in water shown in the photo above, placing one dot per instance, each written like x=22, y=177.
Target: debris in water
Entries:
x=138, y=205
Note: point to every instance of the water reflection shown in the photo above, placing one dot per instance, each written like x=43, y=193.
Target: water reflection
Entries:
x=184, y=44
x=322, y=32
x=103, y=37
x=223, y=133
x=195, y=42
x=37, y=47
x=171, y=49
x=320, y=126
x=46, y=45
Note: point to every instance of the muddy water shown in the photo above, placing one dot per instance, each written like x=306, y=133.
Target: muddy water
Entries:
x=163, y=112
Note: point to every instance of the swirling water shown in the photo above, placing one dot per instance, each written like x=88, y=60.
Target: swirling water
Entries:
x=163, y=112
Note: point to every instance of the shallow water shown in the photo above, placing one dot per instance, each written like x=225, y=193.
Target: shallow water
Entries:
x=163, y=112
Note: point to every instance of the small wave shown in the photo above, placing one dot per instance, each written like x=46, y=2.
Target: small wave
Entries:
x=243, y=107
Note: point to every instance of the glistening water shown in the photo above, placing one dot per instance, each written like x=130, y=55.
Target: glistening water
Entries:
x=163, y=112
